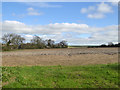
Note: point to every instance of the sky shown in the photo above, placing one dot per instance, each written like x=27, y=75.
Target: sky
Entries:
x=79, y=23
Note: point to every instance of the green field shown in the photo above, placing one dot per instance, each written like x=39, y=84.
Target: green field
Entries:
x=91, y=76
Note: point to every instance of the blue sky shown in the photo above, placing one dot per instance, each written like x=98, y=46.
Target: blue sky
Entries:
x=83, y=22
x=68, y=12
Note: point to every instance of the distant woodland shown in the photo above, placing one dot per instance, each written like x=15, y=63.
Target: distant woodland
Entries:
x=12, y=41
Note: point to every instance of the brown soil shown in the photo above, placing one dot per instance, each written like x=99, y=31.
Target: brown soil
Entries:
x=70, y=56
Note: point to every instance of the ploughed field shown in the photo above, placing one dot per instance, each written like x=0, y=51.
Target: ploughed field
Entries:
x=69, y=56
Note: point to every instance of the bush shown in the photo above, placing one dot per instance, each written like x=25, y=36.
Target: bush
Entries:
x=5, y=48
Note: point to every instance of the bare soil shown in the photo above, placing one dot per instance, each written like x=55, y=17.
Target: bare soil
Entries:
x=70, y=56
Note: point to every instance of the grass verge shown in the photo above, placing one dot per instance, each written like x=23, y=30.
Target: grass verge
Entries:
x=91, y=76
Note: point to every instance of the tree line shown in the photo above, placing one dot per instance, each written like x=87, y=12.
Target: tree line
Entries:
x=14, y=41
x=110, y=44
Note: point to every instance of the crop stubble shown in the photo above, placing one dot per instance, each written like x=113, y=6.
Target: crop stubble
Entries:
x=70, y=56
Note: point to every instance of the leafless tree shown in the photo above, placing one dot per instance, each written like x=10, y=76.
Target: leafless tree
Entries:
x=50, y=43
x=38, y=41
x=63, y=44
x=12, y=38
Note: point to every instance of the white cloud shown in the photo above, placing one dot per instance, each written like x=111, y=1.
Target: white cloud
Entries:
x=15, y=27
x=33, y=12
x=28, y=37
x=42, y=5
x=97, y=11
x=64, y=31
x=104, y=8
x=18, y=16
x=88, y=10
x=114, y=2
x=83, y=10
x=30, y=11
x=96, y=15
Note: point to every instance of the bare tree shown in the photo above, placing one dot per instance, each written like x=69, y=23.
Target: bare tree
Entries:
x=63, y=44
x=18, y=40
x=12, y=38
x=38, y=41
x=7, y=38
x=50, y=43
x=14, y=41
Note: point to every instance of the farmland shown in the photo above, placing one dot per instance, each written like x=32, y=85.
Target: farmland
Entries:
x=71, y=56
x=61, y=68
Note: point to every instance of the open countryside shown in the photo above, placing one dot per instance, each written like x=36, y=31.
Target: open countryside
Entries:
x=59, y=45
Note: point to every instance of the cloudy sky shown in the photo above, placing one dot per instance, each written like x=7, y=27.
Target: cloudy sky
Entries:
x=79, y=23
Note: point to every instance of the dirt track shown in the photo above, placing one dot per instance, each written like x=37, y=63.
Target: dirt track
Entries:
x=73, y=56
